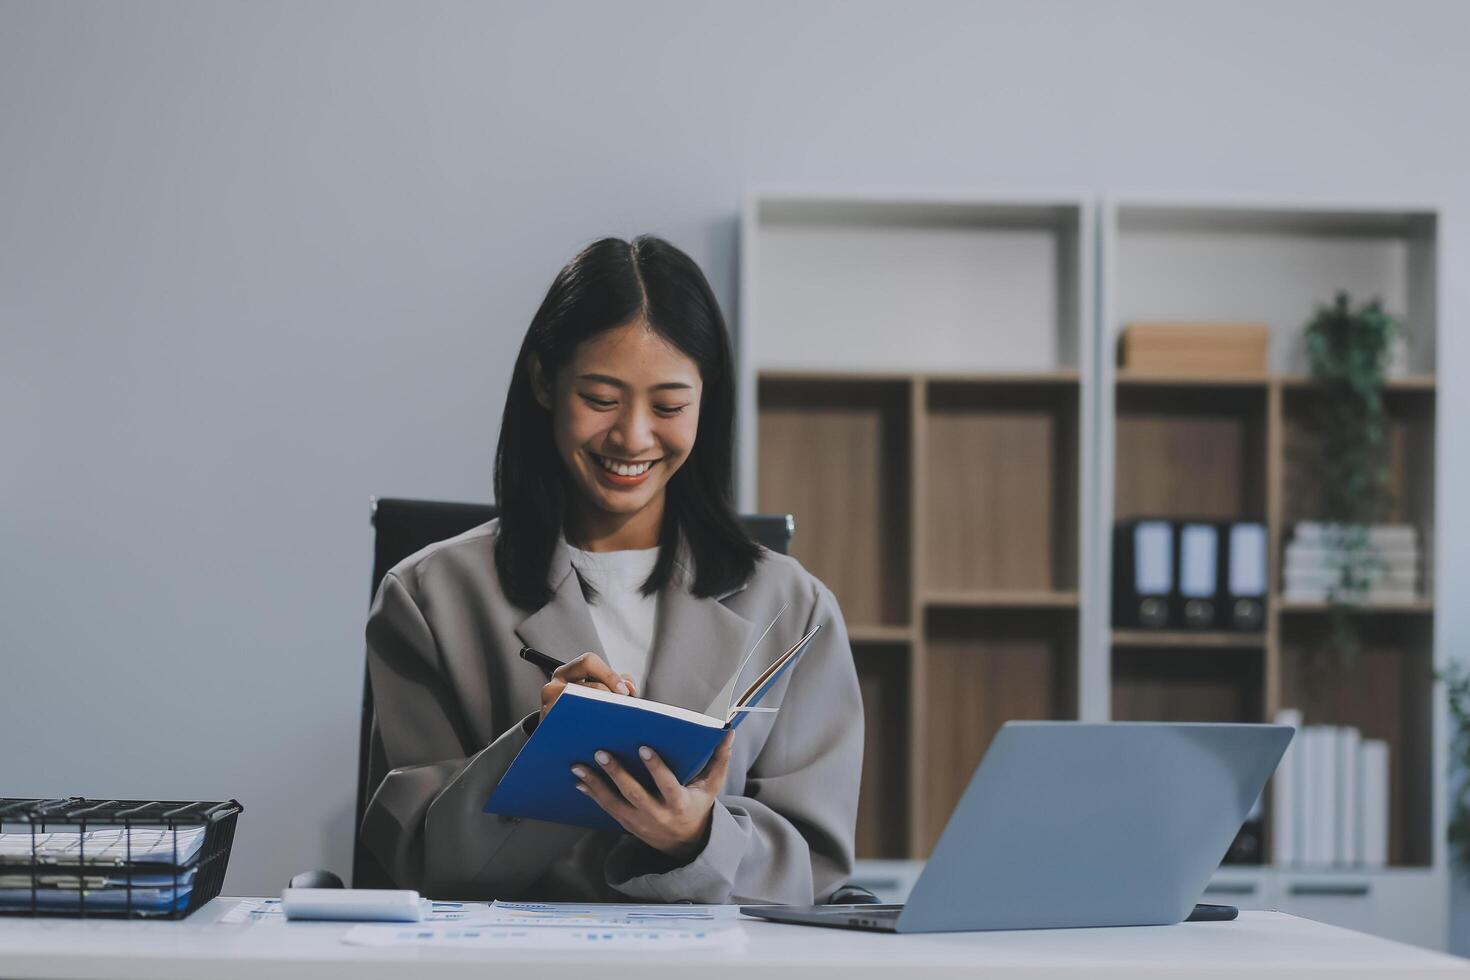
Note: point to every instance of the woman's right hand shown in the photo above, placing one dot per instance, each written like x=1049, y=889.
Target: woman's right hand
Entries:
x=588, y=670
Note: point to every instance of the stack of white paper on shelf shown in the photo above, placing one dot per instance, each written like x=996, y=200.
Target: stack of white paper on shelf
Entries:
x=1329, y=798
x=1385, y=559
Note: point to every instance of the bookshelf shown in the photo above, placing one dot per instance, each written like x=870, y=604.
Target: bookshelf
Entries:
x=937, y=483
x=1241, y=447
x=929, y=384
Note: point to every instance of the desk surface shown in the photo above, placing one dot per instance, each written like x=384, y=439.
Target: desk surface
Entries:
x=1265, y=944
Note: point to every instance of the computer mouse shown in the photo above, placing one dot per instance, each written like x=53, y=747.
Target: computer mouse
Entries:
x=316, y=879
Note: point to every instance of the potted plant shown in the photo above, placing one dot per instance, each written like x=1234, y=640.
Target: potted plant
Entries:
x=1457, y=685
x=1349, y=350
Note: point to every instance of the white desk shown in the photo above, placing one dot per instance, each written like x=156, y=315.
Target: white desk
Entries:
x=1259, y=944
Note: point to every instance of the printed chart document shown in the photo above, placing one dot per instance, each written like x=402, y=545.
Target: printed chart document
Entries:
x=526, y=914
x=611, y=913
x=557, y=939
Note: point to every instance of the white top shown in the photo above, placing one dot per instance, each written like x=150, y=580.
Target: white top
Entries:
x=623, y=615
x=1260, y=945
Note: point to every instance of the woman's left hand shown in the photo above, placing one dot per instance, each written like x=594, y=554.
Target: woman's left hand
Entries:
x=675, y=819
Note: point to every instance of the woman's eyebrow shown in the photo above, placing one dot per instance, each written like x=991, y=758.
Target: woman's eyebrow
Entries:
x=610, y=380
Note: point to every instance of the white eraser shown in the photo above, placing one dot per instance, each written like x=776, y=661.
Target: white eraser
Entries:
x=353, y=904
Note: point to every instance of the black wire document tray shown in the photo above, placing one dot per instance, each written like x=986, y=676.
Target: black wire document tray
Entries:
x=122, y=859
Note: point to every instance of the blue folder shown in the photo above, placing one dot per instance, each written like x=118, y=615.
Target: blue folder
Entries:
x=539, y=784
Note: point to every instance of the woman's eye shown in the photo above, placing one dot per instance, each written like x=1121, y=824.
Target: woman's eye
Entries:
x=671, y=409
x=599, y=402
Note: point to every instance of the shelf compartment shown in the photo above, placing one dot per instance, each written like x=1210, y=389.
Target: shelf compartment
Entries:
x=977, y=285
x=836, y=454
x=1409, y=456
x=1180, y=684
x=982, y=669
x=882, y=822
x=1385, y=690
x=1000, y=488
x=1190, y=451
x=1274, y=266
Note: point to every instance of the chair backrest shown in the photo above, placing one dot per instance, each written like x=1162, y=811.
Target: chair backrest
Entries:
x=402, y=527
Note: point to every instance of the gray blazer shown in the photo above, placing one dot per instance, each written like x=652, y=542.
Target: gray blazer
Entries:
x=455, y=702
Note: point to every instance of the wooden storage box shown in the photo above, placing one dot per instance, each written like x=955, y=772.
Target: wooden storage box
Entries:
x=1196, y=349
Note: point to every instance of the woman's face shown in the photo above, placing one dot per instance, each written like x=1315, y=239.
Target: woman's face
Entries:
x=625, y=410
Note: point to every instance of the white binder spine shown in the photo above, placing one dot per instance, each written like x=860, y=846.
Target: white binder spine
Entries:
x=1285, y=795
x=1373, y=792
x=1348, y=806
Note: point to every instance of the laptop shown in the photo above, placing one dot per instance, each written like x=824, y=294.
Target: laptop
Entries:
x=1075, y=824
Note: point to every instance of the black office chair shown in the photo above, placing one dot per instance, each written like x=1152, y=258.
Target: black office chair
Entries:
x=402, y=527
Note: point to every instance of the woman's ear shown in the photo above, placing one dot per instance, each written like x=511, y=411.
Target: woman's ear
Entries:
x=539, y=386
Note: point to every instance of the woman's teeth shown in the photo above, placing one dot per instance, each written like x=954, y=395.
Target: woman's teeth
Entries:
x=625, y=469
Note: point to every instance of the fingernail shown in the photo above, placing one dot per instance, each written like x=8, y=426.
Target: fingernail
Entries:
x=579, y=772
x=602, y=757
x=645, y=753
x=581, y=789
x=622, y=688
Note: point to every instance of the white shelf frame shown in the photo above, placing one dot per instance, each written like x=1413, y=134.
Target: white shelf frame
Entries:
x=1091, y=646
x=1433, y=881
x=1098, y=231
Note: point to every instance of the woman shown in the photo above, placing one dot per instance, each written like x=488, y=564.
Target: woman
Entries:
x=616, y=537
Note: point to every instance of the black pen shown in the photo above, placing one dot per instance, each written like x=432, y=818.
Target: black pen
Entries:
x=539, y=659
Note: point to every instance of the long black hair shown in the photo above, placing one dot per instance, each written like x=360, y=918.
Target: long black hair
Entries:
x=608, y=284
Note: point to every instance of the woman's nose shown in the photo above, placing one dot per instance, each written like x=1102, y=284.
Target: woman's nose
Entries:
x=634, y=430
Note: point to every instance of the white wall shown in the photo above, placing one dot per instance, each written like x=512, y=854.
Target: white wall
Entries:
x=259, y=261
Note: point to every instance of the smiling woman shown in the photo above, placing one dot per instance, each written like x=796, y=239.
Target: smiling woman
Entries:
x=616, y=540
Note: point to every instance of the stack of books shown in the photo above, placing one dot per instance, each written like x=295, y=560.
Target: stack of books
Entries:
x=1377, y=563
x=1330, y=798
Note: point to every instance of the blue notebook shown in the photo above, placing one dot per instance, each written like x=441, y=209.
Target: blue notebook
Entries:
x=539, y=783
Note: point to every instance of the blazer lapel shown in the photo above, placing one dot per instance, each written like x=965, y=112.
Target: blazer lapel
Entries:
x=563, y=627
x=698, y=644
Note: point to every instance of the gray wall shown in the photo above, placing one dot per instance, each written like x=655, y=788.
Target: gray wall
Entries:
x=259, y=261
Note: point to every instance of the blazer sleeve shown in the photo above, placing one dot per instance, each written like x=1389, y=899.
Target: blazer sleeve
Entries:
x=788, y=836
x=425, y=822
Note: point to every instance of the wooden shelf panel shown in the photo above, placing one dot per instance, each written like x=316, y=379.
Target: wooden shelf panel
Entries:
x=1000, y=488
x=1002, y=598
x=1409, y=456
x=836, y=455
x=1145, y=379
x=1129, y=378
x=1410, y=383
x=1385, y=690
x=1191, y=452
x=882, y=823
x=1162, y=685
x=1212, y=640
x=869, y=633
x=982, y=669
x=1058, y=377
x=1419, y=607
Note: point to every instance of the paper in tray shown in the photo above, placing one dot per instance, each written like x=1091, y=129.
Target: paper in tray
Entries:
x=108, y=847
